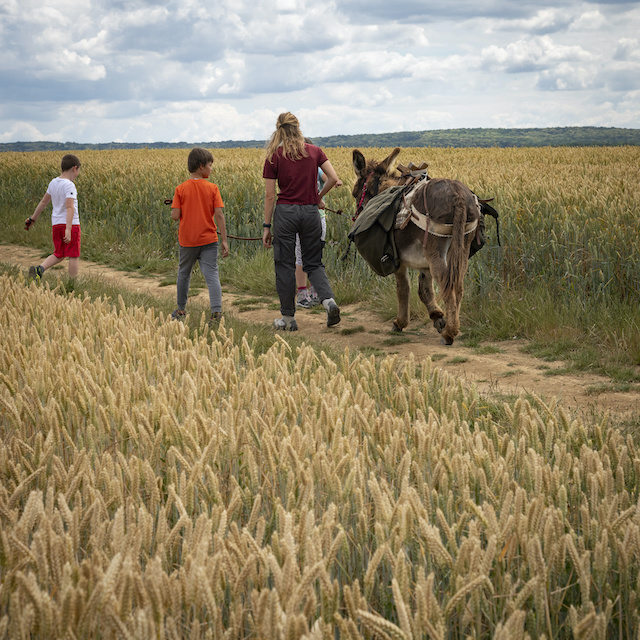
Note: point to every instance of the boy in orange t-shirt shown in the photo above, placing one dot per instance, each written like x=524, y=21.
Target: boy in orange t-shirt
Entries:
x=197, y=205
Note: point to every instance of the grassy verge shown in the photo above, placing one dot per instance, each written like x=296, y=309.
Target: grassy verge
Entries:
x=593, y=336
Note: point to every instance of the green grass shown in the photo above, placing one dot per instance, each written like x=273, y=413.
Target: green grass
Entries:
x=395, y=340
x=352, y=330
x=458, y=360
x=590, y=336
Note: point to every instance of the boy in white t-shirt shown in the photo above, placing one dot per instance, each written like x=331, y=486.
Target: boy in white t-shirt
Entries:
x=65, y=222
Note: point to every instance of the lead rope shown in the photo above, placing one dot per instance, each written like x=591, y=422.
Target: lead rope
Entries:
x=358, y=211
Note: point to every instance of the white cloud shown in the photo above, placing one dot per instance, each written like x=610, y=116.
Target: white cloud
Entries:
x=565, y=77
x=23, y=131
x=70, y=65
x=589, y=21
x=627, y=49
x=531, y=54
x=543, y=21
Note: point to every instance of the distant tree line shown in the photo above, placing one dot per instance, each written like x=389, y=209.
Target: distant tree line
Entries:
x=534, y=137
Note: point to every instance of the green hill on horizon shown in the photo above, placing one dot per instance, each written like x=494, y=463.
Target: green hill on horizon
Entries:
x=529, y=137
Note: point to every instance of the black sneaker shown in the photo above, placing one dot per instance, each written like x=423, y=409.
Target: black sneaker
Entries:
x=35, y=273
x=215, y=318
x=333, y=314
x=304, y=303
x=179, y=314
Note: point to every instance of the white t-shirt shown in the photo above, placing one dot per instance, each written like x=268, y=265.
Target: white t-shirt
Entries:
x=60, y=189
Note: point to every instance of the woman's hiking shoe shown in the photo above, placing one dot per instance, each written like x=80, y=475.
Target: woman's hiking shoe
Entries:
x=179, y=314
x=333, y=314
x=285, y=324
x=35, y=273
x=215, y=318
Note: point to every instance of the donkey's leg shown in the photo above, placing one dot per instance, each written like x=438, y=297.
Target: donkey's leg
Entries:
x=403, y=290
x=453, y=327
x=452, y=311
x=427, y=295
x=459, y=292
x=437, y=256
x=449, y=301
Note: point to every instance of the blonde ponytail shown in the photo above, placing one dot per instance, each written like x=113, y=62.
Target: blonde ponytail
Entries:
x=288, y=136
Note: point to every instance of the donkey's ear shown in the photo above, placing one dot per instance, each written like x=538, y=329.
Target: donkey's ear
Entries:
x=389, y=161
x=359, y=163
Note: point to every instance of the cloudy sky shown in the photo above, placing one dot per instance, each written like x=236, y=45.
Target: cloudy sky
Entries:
x=147, y=71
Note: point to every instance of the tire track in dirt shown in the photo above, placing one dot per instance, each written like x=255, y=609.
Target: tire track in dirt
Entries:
x=506, y=372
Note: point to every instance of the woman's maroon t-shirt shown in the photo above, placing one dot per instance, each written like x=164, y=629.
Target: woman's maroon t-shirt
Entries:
x=297, y=180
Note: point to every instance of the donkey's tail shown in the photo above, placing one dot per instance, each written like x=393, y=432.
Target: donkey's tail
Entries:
x=457, y=257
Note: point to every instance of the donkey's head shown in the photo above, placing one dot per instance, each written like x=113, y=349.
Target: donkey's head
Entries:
x=372, y=177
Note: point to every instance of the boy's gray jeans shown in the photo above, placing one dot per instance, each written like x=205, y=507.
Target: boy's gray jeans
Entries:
x=207, y=257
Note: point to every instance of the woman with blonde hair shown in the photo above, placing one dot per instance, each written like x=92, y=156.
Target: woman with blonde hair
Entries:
x=293, y=164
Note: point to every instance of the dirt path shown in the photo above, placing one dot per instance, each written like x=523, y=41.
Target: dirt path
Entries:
x=508, y=371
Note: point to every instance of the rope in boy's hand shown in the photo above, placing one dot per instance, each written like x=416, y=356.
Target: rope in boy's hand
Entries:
x=168, y=201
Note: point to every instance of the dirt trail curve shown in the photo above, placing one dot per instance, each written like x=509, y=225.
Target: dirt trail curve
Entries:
x=507, y=372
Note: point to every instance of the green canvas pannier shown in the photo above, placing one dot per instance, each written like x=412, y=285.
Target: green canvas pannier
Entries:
x=372, y=232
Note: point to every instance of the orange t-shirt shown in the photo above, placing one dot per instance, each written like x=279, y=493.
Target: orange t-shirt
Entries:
x=197, y=201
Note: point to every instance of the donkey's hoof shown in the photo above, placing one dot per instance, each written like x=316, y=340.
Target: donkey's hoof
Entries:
x=440, y=324
x=447, y=341
x=395, y=328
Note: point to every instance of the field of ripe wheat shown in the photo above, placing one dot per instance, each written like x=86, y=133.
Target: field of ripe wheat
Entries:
x=162, y=483
x=568, y=214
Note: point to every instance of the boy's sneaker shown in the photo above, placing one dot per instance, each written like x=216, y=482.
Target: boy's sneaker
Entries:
x=35, y=273
x=313, y=294
x=333, y=314
x=282, y=324
x=179, y=314
x=215, y=318
x=304, y=300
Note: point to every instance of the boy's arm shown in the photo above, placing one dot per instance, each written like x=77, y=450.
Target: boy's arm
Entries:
x=70, y=211
x=221, y=226
x=46, y=199
x=331, y=181
x=175, y=214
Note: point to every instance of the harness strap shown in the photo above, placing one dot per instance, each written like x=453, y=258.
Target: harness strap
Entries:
x=424, y=221
x=440, y=229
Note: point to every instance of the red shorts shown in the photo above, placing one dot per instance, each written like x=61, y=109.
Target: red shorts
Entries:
x=62, y=249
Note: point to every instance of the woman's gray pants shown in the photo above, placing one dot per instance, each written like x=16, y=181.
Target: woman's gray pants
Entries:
x=304, y=220
x=207, y=257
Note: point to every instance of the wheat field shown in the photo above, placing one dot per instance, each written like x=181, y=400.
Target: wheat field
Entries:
x=157, y=483
x=566, y=213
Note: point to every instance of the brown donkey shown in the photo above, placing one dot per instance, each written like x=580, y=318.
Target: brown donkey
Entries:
x=441, y=217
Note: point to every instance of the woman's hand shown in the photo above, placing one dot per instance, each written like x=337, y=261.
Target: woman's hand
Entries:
x=267, y=238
